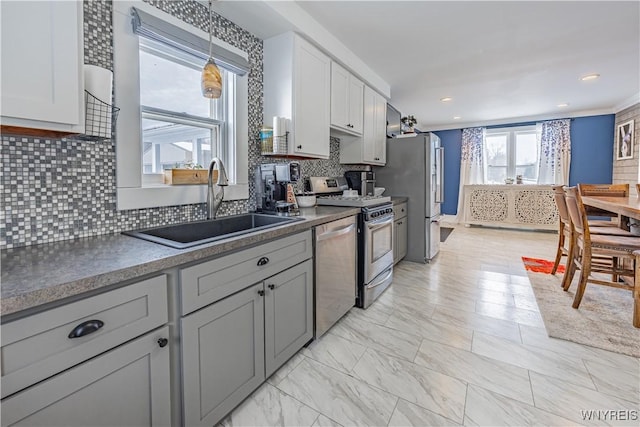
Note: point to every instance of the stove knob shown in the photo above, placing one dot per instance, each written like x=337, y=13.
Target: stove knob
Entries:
x=374, y=214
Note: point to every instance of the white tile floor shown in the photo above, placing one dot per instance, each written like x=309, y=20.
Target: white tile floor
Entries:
x=458, y=341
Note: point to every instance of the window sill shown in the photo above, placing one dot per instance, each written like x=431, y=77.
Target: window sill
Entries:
x=171, y=195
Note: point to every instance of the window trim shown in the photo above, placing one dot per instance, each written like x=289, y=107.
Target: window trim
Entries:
x=510, y=132
x=130, y=190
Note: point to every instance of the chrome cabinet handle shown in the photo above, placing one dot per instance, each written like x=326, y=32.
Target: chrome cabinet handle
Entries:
x=271, y=286
x=162, y=342
x=86, y=328
x=263, y=261
x=261, y=292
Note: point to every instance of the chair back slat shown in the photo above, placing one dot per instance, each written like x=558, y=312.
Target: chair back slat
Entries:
x=576, y=211
x=604, y=190
x=561, y=203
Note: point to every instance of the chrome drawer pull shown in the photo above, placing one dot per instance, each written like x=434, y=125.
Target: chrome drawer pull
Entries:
x=86, y=328
x=263, y=261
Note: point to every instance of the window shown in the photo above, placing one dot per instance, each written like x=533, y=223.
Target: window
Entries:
x=179, y=126
x=164, y=120
x=511, y=152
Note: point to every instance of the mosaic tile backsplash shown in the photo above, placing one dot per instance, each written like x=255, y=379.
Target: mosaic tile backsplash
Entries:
x=60, y=189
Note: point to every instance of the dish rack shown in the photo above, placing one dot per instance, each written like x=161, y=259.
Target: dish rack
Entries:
x=100, y=118
x=274, y=145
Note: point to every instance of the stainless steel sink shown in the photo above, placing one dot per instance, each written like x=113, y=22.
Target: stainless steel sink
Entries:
x=189, y=234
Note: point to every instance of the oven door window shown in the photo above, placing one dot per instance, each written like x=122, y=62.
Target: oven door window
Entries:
x=381, y=240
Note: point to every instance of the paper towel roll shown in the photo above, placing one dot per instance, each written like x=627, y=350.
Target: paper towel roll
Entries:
x=276, y=126
x=98, y=81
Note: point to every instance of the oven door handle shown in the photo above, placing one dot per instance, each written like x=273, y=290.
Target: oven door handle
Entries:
x=338, y=232
x=374, y=225
x=381, y=281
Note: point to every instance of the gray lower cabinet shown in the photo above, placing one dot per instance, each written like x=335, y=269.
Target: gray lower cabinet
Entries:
x=400, y=232
x=400, y=240
x=230, y=347
x=127, y=386
x=288, y=314
x=222, y=355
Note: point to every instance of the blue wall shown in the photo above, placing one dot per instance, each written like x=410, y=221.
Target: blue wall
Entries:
x=591, y=155
x=451, y=140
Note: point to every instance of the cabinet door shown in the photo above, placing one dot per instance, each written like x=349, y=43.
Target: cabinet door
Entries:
x=401, y=239
x=380, y=129
x=356, y=105
x=127, y=386
x=311, y=101
x=42, y=77
x=395, y=242
x=368, y=143
x=340, y=88
x=288, y=314
x=223, y=356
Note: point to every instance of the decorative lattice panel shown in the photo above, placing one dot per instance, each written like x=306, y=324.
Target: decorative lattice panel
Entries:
x=488, y=205
x=516, y=206
x=535, y=207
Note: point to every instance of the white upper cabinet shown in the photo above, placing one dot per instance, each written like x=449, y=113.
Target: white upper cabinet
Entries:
x=297, y=86
x=371, y=147
x=347, y=97
x=42, y=59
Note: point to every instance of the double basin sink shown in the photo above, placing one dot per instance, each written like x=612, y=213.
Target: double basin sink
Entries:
x=190, y=234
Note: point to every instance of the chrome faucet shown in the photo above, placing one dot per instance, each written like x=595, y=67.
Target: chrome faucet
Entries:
x=215, y=200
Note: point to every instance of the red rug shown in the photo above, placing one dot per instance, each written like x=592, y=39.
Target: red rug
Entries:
x=538, y=265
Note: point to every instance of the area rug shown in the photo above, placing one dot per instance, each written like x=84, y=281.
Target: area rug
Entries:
x=444, y=233
x=538, y=265
x=603, y=319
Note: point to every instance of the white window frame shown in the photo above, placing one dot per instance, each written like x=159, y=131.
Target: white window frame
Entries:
x=511, y=132
x=132, y=192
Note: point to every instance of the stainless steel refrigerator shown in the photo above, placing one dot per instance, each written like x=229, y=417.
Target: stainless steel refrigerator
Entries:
x=414, y=169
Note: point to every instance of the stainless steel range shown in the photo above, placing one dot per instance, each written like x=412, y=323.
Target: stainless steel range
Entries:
x=375, y=235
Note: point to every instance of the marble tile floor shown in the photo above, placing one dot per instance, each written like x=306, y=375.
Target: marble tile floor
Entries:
x=459, y=341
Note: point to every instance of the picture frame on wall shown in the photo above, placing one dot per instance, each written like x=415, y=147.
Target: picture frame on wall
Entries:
x=624, y=141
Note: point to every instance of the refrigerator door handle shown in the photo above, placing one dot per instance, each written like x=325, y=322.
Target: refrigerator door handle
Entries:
x=440, y=175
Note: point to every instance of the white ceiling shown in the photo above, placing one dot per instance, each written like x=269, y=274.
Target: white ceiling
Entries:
x=501, y=62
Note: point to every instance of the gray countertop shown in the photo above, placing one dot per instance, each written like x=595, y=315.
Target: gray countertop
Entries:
x=398, y=200
x=35, y=276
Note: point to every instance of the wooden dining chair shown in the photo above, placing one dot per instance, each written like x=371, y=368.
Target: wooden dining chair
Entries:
x=588, y=245
x=565, y=236
x=603, y=190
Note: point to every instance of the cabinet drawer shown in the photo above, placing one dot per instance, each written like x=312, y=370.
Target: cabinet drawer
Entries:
x=400, y=210
x=38, y=346
x=127, y=386
x=213, y=280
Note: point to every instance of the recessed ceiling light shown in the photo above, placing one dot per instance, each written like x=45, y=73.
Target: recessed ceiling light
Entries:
x=456, y=117
x=446, y=99
x=564, y=104
x=589, y=77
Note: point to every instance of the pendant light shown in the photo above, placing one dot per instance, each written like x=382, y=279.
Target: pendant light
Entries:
x=211, y=77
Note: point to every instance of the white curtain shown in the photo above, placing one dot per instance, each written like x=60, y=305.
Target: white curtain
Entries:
x=472, y=169
x=555, y=152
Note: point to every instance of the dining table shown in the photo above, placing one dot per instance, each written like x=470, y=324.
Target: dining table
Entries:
x=626, y=207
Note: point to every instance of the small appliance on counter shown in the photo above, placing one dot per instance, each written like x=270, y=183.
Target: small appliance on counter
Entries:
x=375, y=235
x=363, y=182
x=272, y=180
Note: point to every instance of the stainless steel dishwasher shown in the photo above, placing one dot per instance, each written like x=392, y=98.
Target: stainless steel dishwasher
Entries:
x=335, y=272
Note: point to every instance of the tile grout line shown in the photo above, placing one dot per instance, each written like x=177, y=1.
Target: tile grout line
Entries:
x=394, y=410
